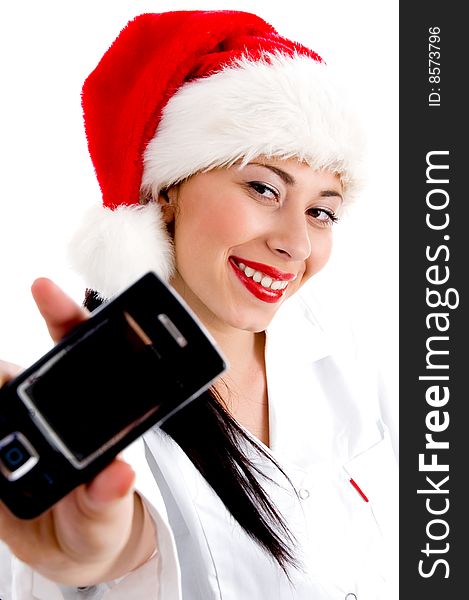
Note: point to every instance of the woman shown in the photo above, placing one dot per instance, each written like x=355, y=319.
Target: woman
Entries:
x=276, y=483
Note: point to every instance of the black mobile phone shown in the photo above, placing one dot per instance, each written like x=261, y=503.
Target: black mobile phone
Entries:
x=138, y=359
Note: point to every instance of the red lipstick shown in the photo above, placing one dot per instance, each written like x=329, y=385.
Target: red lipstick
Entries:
x=270, y=271
x=258, y=290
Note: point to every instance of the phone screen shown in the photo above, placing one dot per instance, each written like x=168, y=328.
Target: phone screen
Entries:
x=86, y=398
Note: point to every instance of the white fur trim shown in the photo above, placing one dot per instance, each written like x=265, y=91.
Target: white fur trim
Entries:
x=114, y=248
x=281, y=107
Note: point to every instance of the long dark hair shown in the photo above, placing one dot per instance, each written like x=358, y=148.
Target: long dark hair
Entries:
x=215, y=447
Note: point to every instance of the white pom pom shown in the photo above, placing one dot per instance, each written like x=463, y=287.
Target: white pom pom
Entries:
x=114, y=248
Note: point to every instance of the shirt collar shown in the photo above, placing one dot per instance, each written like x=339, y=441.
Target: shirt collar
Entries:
x=296, y=333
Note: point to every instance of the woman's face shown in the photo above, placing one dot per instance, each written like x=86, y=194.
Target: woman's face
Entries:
x=247, y=239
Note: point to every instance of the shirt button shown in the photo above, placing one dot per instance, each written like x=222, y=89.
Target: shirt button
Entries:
x=350, y=596
x=304, y=494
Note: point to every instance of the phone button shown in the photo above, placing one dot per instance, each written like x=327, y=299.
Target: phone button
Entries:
x=17, y=456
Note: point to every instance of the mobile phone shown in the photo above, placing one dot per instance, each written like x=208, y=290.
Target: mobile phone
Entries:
x=137, y=360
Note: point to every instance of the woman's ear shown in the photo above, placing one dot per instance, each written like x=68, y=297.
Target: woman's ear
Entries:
x=167, y=202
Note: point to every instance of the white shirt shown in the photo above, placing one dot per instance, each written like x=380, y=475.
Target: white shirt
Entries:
x=326, y=427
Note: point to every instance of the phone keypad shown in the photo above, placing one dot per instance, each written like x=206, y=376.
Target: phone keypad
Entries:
x=17, y=456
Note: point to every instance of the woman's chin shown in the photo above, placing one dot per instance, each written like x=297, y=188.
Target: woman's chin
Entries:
x=250, y=321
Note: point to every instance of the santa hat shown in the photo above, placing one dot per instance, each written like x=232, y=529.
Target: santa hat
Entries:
x=182, y=92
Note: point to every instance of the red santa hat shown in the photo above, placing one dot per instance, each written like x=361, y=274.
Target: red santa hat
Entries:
x=183, y=92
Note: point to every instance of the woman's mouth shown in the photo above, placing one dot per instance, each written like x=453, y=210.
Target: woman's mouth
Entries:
x=264, y=286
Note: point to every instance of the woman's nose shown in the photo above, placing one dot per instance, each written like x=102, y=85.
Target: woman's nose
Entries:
x=290, y=235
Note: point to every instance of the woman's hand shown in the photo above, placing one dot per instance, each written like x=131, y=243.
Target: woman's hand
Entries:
x=98, y=532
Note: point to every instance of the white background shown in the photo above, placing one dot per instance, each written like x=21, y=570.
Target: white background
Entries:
x=48, y=48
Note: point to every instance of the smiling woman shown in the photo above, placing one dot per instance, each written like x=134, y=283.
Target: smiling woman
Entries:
x=274, y=218
x=225, y=154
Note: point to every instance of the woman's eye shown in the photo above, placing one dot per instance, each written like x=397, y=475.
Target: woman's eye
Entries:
x=323, y=216
x=264, y=190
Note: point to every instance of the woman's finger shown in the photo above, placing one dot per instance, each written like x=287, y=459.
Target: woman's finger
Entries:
x=111, y=484
x=94, y=521
x=60, y=312
x=8, y=370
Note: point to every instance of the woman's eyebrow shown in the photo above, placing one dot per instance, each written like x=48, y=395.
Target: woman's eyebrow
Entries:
x=286, y=177
x=290, y=180
x=331, y=193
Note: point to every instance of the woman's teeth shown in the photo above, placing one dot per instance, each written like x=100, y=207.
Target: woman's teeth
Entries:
x=264, y=280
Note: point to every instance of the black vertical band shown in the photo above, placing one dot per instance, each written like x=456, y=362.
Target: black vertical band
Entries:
x=434, y=399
